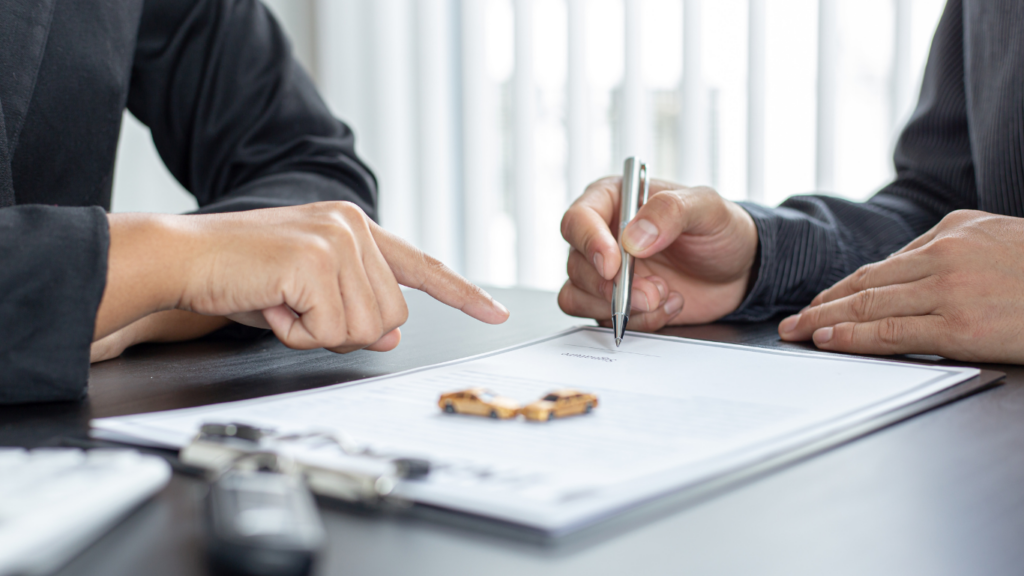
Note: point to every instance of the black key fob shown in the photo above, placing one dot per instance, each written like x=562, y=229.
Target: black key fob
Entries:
x=262, y=524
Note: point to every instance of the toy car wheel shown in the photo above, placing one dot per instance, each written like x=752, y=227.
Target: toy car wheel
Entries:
x=589, y=407
x=551, y=416
x=494, y=414
x=449, y=408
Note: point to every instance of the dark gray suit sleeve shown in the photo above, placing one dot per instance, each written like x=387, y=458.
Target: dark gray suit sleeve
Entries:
x=55, y=270
x=811, y=242
x=235, y=118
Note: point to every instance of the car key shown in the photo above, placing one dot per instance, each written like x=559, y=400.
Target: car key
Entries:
x=262, y=523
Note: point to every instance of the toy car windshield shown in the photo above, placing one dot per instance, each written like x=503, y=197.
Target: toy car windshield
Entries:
x=486, y=396
x=551, y=397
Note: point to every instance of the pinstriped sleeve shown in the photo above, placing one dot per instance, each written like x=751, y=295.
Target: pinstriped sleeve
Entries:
x=809, y=243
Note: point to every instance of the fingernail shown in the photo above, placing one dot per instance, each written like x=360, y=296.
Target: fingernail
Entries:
x=823, y=335
x=789, y=324
x=674, y=304
x=499, y=306
x=640, y=234
x=639, y=301
x=599, y=263
x=657, y=284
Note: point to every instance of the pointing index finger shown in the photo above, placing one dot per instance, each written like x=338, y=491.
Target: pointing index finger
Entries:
x=416, y=269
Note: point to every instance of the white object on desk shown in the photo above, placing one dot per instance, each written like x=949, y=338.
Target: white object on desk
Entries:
x=674, y=413
x=55, y=501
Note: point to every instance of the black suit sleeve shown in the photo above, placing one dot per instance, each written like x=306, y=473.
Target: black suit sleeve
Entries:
x=54, y=273
x=811, y=242
x=234, y=117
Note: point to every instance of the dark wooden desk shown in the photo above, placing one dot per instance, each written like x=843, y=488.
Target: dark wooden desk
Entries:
x=942, y=493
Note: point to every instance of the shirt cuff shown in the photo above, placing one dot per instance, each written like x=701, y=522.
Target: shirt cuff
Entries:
x=798, y=259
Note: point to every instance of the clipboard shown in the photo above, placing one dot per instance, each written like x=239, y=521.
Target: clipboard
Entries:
x=860, y=396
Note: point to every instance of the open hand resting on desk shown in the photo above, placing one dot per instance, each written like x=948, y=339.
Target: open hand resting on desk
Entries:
x=957, y=291
x=319, y=275
x=694, y=254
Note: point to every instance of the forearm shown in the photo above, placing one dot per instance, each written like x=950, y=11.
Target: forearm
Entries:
x=178, y=326
x=166, y=326
x=812, y=242
x=145, y=270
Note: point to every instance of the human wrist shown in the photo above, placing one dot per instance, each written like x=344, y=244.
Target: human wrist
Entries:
x=145, y=269
x=756, y=302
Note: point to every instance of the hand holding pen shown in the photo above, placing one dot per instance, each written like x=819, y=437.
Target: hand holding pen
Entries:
x=690, y=245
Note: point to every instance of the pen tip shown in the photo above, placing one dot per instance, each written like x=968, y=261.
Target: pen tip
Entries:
x=618, y=341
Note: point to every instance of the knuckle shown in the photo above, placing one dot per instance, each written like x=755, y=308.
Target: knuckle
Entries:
x=565, y=298
x=817, y=311
x=366, y=333
x=861, y=276
x=942, y=247
x=863, y=304
x=394, y=316
x=335, y=337
x=573, y=263
x=890, y=332
x=568, y=225
x=668, y=205
x=317, y=255
x=811, y=318
x=350, y=210
x=958, y=217
x=338, y=232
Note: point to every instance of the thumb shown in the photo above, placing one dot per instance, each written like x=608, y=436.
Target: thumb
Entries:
x=416, y=269
x=671, y=213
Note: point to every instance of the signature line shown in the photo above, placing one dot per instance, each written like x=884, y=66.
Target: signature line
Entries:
x=613, y=351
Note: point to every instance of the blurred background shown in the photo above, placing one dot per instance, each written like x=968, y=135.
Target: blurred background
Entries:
x=484, y=119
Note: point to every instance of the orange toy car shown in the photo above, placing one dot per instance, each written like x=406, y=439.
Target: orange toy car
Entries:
x=559, y=404
x=478, y=401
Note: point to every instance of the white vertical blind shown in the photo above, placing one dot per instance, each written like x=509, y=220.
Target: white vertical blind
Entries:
x=577, y=102
x=633, y=115
x=695, y=111
x=478, y=152
x=343, y=69
x=438, y=126
x=393, y=135
x=902, y=77
x=756, y=41
x=828, y=57
x=524, y=98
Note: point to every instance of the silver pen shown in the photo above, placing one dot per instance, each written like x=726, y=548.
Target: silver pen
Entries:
x=634, y=175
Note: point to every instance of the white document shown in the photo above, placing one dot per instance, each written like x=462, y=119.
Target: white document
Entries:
x=673, y=412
